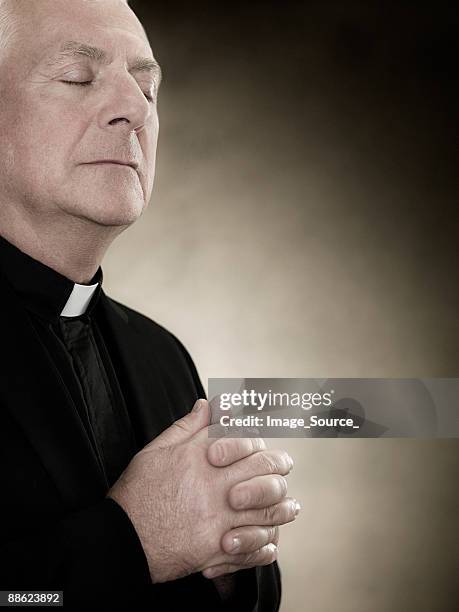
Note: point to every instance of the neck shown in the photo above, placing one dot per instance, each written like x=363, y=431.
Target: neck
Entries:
x=74, y=247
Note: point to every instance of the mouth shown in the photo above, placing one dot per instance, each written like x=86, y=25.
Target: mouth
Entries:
x=113, y=162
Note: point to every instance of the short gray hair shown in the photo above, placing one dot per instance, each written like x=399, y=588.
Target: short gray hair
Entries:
x=10, y=21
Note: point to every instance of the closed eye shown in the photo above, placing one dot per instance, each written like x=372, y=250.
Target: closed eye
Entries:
x=81, y=83
x=147, y=95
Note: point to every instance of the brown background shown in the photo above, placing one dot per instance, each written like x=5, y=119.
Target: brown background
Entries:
x=304, y=224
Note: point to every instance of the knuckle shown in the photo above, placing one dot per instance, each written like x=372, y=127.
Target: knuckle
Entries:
x=289, y=510
x=268, y=514
x=267, y=463
x=218, y=451
x=182, y=424
x=287, y=461
x=272, y=535
x=282, y=485
x=272, y=554
x=258, y=496
x=239, y=496
x=257, y=444
x=229, y=447
x=252, y=541
x=250, y=558
x=280, y=513
x=283, y=461
x=268, y=554
x=262, y=556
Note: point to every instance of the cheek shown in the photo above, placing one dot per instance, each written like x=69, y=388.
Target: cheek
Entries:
x=149, y=139
x=148, y=142
x=45, y=139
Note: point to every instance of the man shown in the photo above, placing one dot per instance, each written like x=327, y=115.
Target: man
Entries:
x=112, y=491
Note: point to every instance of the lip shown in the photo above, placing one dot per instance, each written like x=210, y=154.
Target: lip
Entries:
x=117, y=162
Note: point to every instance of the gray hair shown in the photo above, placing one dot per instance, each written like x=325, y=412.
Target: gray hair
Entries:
x=10, y=20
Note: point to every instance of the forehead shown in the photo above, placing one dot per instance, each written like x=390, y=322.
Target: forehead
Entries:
x=107, y=24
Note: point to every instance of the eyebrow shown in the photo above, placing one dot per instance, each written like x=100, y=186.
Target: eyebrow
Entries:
x=72, y=48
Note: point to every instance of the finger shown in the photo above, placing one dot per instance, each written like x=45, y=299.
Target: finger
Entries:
x=258, y=492
x=263, y=556
x=284, y=512
x=226, y=451
x=258, y=464
x=186, y=427
x=248, y=539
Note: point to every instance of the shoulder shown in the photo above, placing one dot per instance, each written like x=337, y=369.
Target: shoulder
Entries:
x=147, y=327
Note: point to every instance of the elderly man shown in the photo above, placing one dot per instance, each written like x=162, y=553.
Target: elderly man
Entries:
x=112, y=489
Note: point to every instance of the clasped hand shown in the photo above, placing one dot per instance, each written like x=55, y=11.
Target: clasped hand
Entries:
x=205, y=504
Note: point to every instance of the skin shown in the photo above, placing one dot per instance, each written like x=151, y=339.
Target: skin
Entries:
x=61, y=205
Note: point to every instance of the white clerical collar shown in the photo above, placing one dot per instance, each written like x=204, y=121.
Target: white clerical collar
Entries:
x=79, y=300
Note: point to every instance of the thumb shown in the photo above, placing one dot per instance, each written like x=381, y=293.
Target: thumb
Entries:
x=187, y=426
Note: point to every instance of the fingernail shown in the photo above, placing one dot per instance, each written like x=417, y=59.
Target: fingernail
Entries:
x=290, y=460
x=198, y=405
x=297, y=508
x=272, y=547
x=235, y=544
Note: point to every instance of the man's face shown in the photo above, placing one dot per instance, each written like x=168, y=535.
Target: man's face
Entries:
x=78, y=118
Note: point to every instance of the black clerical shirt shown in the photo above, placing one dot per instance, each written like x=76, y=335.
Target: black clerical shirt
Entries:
x=77, y=347
x=78, y=353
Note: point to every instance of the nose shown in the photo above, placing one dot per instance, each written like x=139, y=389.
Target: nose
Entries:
x=125, y=106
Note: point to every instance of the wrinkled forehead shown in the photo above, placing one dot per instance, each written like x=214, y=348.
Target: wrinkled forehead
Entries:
x=47, y=24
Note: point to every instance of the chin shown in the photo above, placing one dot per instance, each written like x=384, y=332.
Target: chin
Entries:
x=113, y=212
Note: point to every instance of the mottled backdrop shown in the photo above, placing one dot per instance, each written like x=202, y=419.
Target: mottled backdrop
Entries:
x=304, y=224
